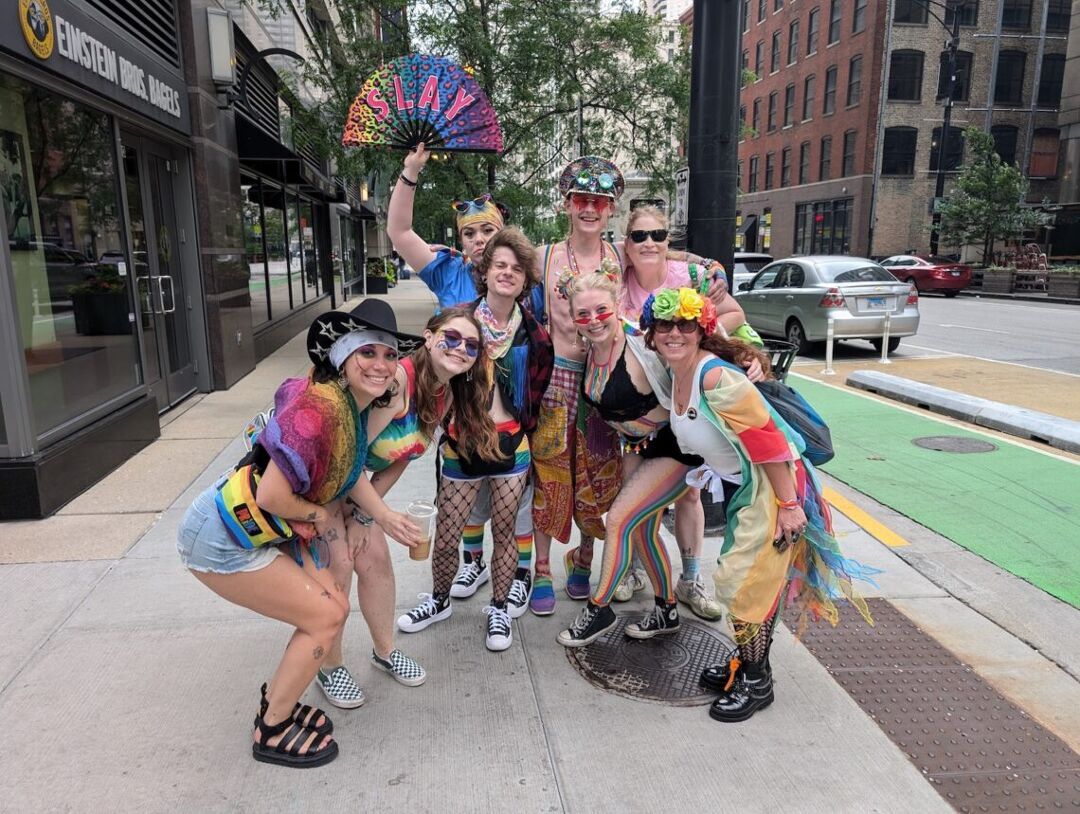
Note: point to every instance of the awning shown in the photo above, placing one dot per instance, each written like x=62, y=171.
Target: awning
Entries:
x=266, y=155
x=749, y=222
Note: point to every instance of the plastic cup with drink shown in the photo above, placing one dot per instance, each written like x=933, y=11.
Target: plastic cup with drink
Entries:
x=423, y=514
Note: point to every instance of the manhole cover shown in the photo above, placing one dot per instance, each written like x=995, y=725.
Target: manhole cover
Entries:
x=954, y=443
x=665, y=669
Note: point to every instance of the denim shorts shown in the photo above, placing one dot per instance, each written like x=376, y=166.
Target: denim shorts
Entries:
x=205, y=545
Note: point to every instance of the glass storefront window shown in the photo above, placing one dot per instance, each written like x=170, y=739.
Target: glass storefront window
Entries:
x=311, y=259
x=73, y=297
x=277, y=249
x=255, y=252
x=296, y=251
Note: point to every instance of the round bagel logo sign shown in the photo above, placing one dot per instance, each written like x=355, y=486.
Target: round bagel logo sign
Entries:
x=37, y=27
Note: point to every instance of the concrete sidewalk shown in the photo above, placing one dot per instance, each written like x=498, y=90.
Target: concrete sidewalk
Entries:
x=125, y=685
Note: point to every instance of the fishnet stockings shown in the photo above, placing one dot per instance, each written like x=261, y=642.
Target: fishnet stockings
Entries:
x=505, y=497
x=754, y=639
x=456, y=499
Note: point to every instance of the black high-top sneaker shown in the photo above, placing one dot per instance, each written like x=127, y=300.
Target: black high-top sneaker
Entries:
x=753, y=690
x=592, y=623
x=663, y=618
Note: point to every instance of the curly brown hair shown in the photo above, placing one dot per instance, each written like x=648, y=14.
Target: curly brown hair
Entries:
x=513, y=239
x=730, y=350
x=469, y=392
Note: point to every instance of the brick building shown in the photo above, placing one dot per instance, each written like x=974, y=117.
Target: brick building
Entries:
x=841, y=124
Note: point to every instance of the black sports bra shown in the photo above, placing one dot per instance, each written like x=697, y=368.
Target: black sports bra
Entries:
x=621, y=401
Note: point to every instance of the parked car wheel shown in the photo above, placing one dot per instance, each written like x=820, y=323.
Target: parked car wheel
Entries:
x=950, y=294
x=894, y=343
x=796, y=335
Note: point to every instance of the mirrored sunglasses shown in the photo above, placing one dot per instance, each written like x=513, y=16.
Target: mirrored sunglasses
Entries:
x=658, y=235
x=453, y=340
x=685, y=326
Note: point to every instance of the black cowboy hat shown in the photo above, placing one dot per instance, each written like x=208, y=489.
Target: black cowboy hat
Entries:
x=371, y=313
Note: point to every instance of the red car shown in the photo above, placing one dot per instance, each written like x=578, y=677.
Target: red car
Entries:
x=930, y=273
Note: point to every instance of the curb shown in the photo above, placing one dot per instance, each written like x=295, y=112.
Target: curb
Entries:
x=1053, y=430
x=975, y=293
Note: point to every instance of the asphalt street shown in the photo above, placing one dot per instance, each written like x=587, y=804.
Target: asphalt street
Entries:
x=1042, y=335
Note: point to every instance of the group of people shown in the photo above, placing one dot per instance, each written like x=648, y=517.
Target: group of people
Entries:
x=582, y=383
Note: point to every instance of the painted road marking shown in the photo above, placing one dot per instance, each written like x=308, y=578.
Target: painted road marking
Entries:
x=879, y=531
x=973, y=328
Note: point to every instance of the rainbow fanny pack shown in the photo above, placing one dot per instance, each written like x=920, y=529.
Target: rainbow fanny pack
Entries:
x=249, y=525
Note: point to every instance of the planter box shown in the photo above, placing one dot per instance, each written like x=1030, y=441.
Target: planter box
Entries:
x=1063, y=285
x=100, y=314
x=997, y=281
x=376, y=285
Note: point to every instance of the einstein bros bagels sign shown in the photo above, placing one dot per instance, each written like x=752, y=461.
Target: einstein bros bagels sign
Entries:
x=63, y=39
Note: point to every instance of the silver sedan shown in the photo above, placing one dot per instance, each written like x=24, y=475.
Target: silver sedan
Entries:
x=796, y=297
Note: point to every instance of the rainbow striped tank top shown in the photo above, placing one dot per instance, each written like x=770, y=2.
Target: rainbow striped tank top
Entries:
x=403, y=438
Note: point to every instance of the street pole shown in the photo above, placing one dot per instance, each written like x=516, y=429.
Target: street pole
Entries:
x=713, y=148
x=943, y=145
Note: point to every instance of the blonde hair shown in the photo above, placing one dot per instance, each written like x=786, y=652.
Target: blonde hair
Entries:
x=643, y=211
x=595, y=281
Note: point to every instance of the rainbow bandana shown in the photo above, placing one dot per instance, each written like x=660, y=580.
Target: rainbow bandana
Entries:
x=478, y=210
x=673, y=304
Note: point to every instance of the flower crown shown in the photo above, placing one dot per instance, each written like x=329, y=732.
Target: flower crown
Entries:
x=565, y=283
x=671, y=304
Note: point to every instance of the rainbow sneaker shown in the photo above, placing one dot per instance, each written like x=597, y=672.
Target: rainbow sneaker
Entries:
x=577, y=578
x=542, y=601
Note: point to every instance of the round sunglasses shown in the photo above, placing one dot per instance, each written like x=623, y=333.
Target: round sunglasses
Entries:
x=658, y=235
x=453, y=340
x=685, y=326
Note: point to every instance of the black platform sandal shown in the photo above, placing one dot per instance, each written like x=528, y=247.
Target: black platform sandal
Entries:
x=301, y=714
x=290, y=751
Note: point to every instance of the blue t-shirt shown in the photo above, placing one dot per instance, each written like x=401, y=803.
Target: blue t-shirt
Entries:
x=450, y=278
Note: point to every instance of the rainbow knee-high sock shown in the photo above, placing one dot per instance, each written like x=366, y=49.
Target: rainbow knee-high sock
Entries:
x=472, y=539
x=525, y=551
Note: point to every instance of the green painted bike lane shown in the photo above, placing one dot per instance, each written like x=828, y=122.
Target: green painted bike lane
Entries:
x=1014, y=506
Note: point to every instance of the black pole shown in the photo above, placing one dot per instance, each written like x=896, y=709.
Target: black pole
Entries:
x=943, y=146
x=713, y=156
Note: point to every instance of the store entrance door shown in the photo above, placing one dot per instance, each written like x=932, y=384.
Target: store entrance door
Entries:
x=150, y=170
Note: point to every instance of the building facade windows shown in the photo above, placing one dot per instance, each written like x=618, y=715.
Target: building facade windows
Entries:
x=954, y=149
x=1004, y=136
x=905, y=76
x=813, y=25
x=789, y=105
x=1050, y=80
x=785, y=167
x=910, y=11
x=770, y=166
x=858, y=19
x=962, y=84
x=808, y=98
x=1044, y=153
x=762, y=8
x=825, y=159
x=1057, y=16
x=774, y=56
x=849, y=154
x=755, y=121
x=834, y=21
x=804, y=163
x=759, y=58
x=969, y=12
x=771, y=121
x=793, y=42
x=898, y=151
x=829, y=102
x=1016, y=15
x=1009, y=87
x=824, y=227
x=854, y=81
x=752, y=178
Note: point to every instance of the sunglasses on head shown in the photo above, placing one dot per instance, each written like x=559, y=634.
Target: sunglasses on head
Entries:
x=453, y=340
x=474, y=205
x=600, y=317
x=658, y=235
x=685, y=326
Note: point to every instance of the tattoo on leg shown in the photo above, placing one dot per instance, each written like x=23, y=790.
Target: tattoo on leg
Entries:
x=311, y=516
x=330, y=535
x=318, y=653
x=327, y=594
x=340, y=587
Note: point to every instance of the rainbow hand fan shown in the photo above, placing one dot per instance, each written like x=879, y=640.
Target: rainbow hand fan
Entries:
x=419, y=98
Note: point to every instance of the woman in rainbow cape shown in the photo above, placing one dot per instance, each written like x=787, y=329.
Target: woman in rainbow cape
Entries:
x=778, y=545
x=288, y=495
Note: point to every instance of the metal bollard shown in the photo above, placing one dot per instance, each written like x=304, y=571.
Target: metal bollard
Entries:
x=829, y=337
x=885, y=360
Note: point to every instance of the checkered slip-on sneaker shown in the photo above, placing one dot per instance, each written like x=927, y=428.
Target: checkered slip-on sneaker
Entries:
x=401, y=667
x=340, y=688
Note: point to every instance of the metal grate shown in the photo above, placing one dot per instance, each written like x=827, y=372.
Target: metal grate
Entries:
x=262, y=94
x=664, y=669
x=979, y=750
x=150, y=22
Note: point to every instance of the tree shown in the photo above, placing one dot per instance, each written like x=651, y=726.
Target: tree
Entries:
x=986, y=202
x=535, y=60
